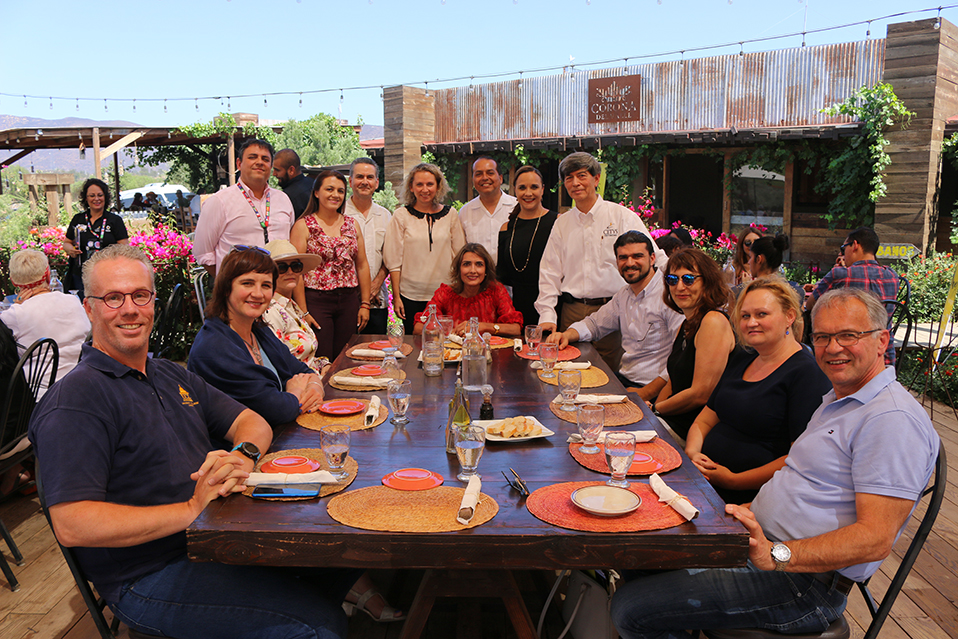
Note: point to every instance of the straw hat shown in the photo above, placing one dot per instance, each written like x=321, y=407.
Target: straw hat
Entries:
x=284, y=251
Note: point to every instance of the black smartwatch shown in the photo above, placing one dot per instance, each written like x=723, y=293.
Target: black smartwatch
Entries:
x=249, y=449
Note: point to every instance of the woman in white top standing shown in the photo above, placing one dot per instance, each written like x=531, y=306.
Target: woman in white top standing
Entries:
x=422, y=239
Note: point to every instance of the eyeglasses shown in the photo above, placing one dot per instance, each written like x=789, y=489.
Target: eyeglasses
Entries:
x=747, y=243
x=841, y=249
x=244, y=247
x=115, y=299
x=296, y=267
x=845, y=338
x=688, y=279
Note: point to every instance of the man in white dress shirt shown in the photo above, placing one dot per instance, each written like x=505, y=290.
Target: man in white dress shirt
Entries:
x=647, y=325
x=482, y=217
x=579, y=263
x=373, y=220
x=247, y=214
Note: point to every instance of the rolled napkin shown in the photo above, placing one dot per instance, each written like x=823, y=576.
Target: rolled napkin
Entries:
x=641, y=436
x=455, y=339
x=594, y=399
x=680, y=504
x=368, y=382
x=373, y=411
x=564, y=365
x=517, y=344
x=372, y=352
x=283, y=479
x=469, y=500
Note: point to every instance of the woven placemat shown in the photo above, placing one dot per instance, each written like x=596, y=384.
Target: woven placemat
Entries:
x=592, y=377
x=567, y=354
x=553, y=505
x=362, y=389
x=405, y=349
x=619, y=414
x=417, y=511
x=356, y=421
x=316, y=454
x=661, y=451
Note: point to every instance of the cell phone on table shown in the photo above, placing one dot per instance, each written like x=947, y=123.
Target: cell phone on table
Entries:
x=280, y=492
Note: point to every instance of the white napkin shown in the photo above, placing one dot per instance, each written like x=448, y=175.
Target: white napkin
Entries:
x=283, y=479
x=372, y=352
x=373, y=411
x=369, y=382
x=594, y=399
x=680, y=504
x=455, y=339
x=564, y=365
x=641, y=436
x=469, y=500
x=517, y=344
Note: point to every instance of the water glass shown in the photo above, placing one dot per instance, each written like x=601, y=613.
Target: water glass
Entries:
x=470, y=442
x=395, y=335
x=432, y=359
x=533, y=337
x=445, y=321
x=570, y=381
x=590, y=419
x=548, y=354
x=619, y=452
x=335, y=443
x=398, y=393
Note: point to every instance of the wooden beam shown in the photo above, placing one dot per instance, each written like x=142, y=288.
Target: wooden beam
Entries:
x=13, y=158
x=97, y=170
x=231, y=158
x=126, y=140
x=116, y=177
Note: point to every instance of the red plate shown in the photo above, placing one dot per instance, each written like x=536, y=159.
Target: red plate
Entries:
x=293, y=464
x=643, y=463
x=342, y=407
x=495, y=340
x=412, y=479
x=380, y=345
x=368, y=370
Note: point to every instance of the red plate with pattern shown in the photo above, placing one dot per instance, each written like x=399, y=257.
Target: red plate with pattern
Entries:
x=342, y=407
x=380, y=345
x=368, y=370
x=291, y=465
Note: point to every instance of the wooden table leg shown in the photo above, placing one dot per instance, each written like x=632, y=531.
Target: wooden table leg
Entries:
x=421, y=607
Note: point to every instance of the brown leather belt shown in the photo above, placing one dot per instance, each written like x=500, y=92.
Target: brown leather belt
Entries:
x=842, y=584
x=594, y=301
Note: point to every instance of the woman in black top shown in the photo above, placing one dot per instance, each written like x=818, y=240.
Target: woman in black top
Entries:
x=522, y=241
x=93, y=230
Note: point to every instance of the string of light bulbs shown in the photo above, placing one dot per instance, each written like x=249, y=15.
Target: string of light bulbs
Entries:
x=473, y=77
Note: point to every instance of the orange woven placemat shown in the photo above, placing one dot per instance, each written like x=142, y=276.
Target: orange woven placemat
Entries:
x=592, y=377
x=405, y=349
x=316, y=454
x=553, y=505
x=390, y=510
x=361, y=389
x=615, y=414
x=357, y=421
x=566, y=354
x=661, y=451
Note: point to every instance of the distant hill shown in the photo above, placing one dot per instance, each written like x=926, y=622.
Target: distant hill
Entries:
x=21, y=122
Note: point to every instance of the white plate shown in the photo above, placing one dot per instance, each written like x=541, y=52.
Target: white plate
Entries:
x=486, y=423
x=456, y=356
x=606, y=501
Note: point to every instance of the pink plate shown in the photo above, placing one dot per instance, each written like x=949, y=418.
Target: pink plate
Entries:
x=380, y=345
x=412, y=479
x=368, y=370
x=293, y=464
x=342, y=407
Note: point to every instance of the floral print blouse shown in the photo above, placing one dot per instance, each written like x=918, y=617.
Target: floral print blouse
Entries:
x=286, y=319
x=338, y=269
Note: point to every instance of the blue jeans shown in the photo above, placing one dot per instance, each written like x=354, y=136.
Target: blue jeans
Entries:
x=209, y=600
x=661, y=605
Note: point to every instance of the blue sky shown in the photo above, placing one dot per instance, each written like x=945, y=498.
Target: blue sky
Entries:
x=156, y=49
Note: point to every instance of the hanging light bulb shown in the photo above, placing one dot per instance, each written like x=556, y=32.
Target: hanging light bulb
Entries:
x=134, y=105
x=104, y=105
x=868, y=31
x=427, y=88
x=197, y=103
x=24, y=101
x=78, y=104
x=264, y=102
x=300, y=100
x=51, y=103
x=164, y=107
x=228, y=106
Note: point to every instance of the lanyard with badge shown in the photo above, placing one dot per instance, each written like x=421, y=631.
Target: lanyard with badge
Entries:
x=263, y=220
x=97, y=242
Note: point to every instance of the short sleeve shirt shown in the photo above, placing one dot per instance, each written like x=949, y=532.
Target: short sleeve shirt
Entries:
x=90, y=237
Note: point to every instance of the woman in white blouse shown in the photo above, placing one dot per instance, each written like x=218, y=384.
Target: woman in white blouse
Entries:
x=422, y=239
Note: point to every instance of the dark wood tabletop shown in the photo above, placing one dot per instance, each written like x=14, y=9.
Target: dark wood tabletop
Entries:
x=240, y=530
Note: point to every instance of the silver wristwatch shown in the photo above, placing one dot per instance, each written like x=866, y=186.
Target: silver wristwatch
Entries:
x=781, y=555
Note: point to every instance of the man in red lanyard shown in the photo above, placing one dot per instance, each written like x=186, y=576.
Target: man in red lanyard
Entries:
x=247, y=214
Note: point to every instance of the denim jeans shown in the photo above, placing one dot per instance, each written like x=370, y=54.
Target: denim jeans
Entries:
x=661, y=605
x=210, y=600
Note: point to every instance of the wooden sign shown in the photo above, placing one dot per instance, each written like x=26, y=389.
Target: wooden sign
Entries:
x=614, y=99
x=897, y=251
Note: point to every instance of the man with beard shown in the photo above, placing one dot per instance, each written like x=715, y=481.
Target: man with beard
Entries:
x=289, y=175
x=648, y=326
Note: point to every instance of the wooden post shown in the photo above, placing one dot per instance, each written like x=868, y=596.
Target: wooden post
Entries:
x=97, y=171
x=789, y=197
x=665, y=191
x=53, y=204
x=116, y=179
x=67, y=201
x=231, y=158
x=726, y=194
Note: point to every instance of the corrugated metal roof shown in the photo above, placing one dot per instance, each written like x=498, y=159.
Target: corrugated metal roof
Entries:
x=787, y=87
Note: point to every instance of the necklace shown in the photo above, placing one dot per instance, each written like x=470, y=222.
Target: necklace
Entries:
x=254, y=351
x=512, y=257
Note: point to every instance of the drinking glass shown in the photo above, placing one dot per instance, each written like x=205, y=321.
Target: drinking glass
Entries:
x=548, y=354
x=445, y=321
x=398, y=393
x=619, y=451
x=570, y=381
x=533, y=337
x=335, y=443
x=395, y=335
x=432, y=363
x=470, y=442
x=590, y=419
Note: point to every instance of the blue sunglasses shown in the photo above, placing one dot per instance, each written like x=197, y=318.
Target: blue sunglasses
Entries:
x=688, y=279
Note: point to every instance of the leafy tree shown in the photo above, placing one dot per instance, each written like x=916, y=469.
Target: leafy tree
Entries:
x=320, y=141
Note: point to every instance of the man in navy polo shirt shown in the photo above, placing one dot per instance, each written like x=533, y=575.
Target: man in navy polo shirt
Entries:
x=124, y=450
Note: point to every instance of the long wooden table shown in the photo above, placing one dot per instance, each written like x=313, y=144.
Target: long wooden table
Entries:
x=239, y=530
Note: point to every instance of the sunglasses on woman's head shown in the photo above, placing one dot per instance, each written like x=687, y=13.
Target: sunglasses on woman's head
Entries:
x=688, y=279
x=243, y=247
x=296, y=267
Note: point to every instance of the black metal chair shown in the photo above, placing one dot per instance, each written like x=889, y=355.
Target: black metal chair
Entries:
x=900, y=316
x=839, y=628
x=166, y=324
x=39, y=362
x=200, y=277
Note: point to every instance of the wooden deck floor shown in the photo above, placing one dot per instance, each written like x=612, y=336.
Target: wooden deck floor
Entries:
x=48, y=604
